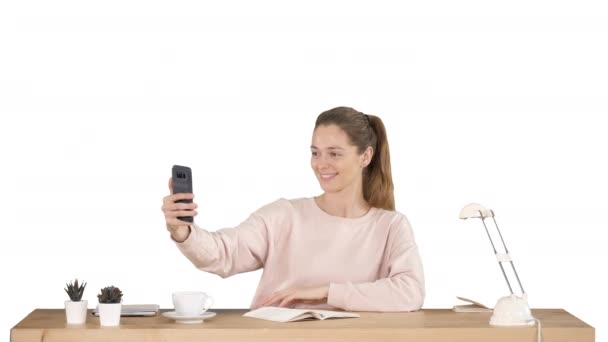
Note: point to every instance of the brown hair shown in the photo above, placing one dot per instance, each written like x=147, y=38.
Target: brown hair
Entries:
x=363, y=131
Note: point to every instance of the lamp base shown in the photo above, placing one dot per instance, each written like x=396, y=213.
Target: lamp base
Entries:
x=512, y=311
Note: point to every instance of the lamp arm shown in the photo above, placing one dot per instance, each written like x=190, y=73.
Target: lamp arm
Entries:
x=501, y=257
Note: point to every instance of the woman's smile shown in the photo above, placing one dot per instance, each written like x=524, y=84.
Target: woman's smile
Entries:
x=328, y=176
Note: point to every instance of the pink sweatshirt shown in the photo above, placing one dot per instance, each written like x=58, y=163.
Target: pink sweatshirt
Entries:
x=370, y=263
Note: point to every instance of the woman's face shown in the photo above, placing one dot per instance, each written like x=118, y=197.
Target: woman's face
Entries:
x=334, y=160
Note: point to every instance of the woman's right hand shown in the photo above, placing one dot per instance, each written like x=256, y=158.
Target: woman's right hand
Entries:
x=179, y=229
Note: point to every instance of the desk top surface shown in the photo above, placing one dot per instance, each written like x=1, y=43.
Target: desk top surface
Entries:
x=233, y=319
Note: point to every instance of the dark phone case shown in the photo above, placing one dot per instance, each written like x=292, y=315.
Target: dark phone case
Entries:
x=182, y=183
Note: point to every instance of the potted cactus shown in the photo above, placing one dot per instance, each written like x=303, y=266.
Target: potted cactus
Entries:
x=110, y=300
x=75, y=307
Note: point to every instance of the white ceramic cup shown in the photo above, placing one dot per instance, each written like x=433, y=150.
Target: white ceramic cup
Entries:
x=191, y=303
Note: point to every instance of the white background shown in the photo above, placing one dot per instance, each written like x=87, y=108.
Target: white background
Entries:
x=500, y=103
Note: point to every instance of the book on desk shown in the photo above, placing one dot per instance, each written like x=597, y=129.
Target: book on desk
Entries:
x=474, y=306
x=284, y=315
x=131, y=310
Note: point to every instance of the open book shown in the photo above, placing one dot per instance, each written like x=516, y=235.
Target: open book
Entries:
x=277, y=314
x=473, y=307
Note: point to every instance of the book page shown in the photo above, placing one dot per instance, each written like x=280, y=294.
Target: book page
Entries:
x=473, y=302
x=323, y=314
x=473, y=307
x=277, y=314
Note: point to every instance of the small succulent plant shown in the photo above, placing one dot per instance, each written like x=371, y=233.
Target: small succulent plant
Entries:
x=75, y=290
x=110, y=294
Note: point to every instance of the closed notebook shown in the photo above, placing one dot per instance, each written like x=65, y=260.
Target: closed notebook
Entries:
x=135, y=310
x=283, y=315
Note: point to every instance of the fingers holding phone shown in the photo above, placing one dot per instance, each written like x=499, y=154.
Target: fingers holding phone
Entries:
x=176, y=209
x=179, y=207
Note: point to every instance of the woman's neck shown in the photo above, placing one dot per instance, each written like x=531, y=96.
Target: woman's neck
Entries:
x=348, y=204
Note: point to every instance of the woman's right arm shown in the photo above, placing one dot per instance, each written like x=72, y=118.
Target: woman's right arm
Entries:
x=227, y=251
x=180, y=233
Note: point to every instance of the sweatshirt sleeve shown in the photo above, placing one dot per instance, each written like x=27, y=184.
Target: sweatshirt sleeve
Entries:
x=230, y=251
x=401, y=290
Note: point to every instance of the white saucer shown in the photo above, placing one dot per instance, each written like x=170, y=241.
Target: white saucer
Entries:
x=189, y=319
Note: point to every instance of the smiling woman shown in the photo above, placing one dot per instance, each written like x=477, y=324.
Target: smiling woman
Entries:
x=350, y=248
x=350, y=151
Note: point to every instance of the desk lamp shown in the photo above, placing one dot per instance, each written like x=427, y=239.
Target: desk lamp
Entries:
x=510, y=310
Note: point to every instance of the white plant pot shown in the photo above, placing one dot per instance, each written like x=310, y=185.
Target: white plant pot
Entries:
x=109, y=314
x=76, y=312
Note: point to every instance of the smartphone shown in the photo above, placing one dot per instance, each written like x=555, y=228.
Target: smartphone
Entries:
x=182, y=183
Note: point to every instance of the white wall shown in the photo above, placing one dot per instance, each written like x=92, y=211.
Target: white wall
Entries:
x=493, y=102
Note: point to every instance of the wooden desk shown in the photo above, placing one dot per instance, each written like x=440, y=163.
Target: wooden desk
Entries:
x=229, y=325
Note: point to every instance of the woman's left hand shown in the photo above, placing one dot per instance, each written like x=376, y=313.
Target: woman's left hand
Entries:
x=293, y=295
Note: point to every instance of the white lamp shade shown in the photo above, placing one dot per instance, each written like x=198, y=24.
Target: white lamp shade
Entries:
x=472, y=210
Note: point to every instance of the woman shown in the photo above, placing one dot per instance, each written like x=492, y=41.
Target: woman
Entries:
x=347, y=248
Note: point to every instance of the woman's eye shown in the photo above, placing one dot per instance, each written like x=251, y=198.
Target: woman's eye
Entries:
x=332, y=154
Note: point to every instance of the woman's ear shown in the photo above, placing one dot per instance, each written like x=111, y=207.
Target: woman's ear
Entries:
x=367, y=156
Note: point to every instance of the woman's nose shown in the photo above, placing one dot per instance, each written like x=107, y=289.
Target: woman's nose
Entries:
x=320, y=163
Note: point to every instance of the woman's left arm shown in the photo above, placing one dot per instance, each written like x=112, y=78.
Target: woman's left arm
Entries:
x=401, y=290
